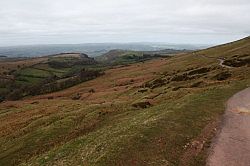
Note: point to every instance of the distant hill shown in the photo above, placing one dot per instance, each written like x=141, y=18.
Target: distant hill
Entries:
x=18, y=76
x=93, y=50
x=114, y=55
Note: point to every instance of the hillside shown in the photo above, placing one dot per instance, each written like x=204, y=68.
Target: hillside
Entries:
x=111, y=55
x=159, y=112
x=20, y=77
x=128, y=56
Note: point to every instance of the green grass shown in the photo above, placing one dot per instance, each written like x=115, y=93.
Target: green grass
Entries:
x=27, y=79
x=34, y=73
x=125, y=136
x=120, y=57
x=63, y=59
x=42, y=71
x=129, y=134
x=54, y=71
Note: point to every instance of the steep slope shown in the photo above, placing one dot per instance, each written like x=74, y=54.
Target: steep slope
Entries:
x=241, y=47
x=159, y=112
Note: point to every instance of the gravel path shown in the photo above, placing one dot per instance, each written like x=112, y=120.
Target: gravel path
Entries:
x=232, y=144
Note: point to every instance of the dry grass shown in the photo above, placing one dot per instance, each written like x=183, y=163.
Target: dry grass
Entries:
x=7, y=66
x=102, y=128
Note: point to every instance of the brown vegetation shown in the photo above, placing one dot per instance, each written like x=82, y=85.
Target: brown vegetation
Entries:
x=114, y=120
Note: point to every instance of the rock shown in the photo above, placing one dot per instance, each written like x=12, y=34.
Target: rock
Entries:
x=50, y=97
x=35, y=102
x=156, y=83
x=141, y=104
x=1, y=99
x=91, y=91
x=222, y=76
x=76, y=96
x=177, y=88
x=199, y=71
x=182, y=77
x=237, y=62
x=197, y=84
x=142, y=90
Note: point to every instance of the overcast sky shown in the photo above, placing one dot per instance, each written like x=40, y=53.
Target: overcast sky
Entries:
x=97, y=21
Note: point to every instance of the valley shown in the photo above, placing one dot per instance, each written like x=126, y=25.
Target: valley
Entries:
x=141, y=109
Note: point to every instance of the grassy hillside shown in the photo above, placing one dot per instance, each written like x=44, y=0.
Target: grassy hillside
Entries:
x=116, y=57
x=238, y=48
x=11, y=64
x=22, y=77
x=158, y=112
x=127, y=56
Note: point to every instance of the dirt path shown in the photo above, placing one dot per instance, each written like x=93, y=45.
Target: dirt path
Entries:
x=222, y=65
x=221, y=61
x=232, y=144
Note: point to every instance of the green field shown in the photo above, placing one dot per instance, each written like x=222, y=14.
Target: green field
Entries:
x=27, y=74
x=32, y=72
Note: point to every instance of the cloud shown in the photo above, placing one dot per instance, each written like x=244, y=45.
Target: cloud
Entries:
x=63, y=21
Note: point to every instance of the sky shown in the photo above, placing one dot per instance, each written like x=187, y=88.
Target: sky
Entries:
x=25, y=22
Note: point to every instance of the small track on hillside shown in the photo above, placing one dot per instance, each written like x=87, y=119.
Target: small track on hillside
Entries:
x=221, y=61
